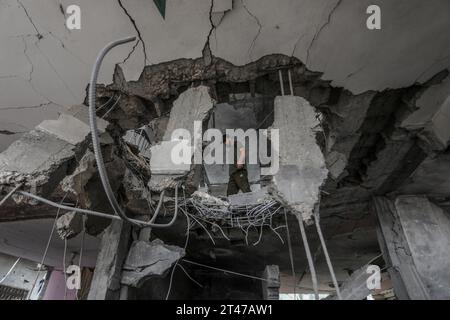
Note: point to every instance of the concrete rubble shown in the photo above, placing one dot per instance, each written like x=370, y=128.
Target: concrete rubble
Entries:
x=69, y=225
x=42, y=157
x=302, y=169
x=353, y=139
x=149, y=259
x=193, y=105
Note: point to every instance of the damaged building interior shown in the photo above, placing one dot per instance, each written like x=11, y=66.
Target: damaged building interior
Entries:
x=93, y=208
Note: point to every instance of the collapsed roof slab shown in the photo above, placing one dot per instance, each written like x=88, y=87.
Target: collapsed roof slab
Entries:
x=195, y=104
x=302, y=168
x=42, y=157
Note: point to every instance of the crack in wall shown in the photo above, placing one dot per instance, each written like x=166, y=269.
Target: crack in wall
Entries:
x=56, y=72
x=207, y=54
x=141, y=40
x=25, y=107
x=61, y=42
x=316, y=36
x=431, y=67
x=9, y=133
x=296, y=44
x=252, y=46
x=38, y=34
x=29, y=80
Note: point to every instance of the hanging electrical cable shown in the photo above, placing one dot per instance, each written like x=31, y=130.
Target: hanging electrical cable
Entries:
x=46, y=248
x=312, y=269
x=327, y=256
x=291, y=256
x=96, y=143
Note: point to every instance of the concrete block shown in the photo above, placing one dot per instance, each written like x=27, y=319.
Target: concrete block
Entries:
x=149, y=259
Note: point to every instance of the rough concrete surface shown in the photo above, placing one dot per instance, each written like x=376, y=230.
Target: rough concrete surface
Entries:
x=149, y=259
x=38, y=46
x=302, y=165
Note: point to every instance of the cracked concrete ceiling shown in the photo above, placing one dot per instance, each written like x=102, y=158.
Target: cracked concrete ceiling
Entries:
x=45, y=67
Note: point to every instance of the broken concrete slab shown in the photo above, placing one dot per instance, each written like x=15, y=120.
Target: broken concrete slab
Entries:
x=208, y=199
x=194, y=104
x=302, y=165
x=38, y=159
x=336, y=163
x=249, y=198
x=36, y=152
x=81, y=112
x=42, y=155
x=149, y=259
x=161, y=159
x=76, y=182
x=136, y=194
x=159, y=183
x=69, y=225
x=67, y=128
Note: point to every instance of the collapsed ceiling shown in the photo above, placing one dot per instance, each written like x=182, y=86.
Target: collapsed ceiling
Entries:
x=349, y=131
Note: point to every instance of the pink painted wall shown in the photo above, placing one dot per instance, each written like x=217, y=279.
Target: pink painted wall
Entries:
x=56, y=286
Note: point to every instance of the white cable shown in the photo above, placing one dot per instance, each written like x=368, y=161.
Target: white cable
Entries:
x=312, y=269
x=280, y=75
x=9, y=194
x=291, y=256
x=46, y=248
x=10, y=270
x=327, y=256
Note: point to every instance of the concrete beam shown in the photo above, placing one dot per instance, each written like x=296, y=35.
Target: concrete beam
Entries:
x=414, y=235
x=108, y=270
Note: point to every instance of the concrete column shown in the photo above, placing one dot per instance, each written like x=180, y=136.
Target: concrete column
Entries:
x=108, y=270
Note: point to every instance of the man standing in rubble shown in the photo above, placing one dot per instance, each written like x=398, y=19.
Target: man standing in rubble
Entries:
x=238, y=179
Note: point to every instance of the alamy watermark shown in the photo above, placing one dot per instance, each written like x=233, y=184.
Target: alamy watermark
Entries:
x=373, y=282
x=261, y=147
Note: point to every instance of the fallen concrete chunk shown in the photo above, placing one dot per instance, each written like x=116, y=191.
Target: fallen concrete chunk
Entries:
x=249, y=198
x=302, y=165
x=208, y=199
x=161, y=160
x=193, y=105
x=41, y=156
x=355, y=287
x=336, y=163
x=76, y=182
x=149, y=259
x=67, y=128
x=69, y=225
